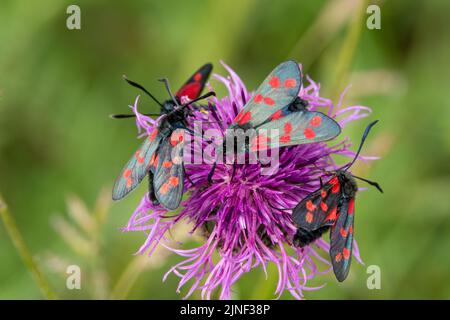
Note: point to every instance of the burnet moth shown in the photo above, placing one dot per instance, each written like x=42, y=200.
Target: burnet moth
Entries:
x=161, y=154
x=332, y=207
x=276, y=105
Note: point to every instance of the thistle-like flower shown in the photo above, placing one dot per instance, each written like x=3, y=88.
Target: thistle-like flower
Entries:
x=242, y=214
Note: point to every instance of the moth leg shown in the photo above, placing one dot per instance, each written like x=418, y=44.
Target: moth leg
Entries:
x=151, y=189
x=211, y=173
x=187, y=176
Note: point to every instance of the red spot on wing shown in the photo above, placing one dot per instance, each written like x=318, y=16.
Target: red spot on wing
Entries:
x=309, y=133
x=285, y=138
x=335, y=188
x=287, y=128
x=346, y=253
x=332, y=215
x=269, y=101
x=245, y=118
x=238, y=117
x=315, y=121
x=258, y=98
x=167, y=164
x=309, y=217
x=176, y=137
x=173, y=140
x=350, y=229
x=154, y=160
x=338, y=257
x=277, y=115
x=129, y=182
x=310, y=205
x=139, y=159
x=351, y=206
x=333, y=181
x=260, y=142
x=173, y=181
x=164, y=188
x=127, y=173
x=324, y=206
x=323, y=193
x=290, y=83
x=274, y=82
x=191, y=90
x=152, y=136
x=343, y=233
x=198, y=76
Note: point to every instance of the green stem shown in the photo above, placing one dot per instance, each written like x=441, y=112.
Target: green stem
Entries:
x=129, y=277
x=348, y=50
x=24, y=252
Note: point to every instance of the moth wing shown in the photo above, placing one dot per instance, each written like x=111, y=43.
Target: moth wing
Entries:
x=318, y=209
x=278, y=90
x=341, y=240
x=194, y=86
x=168, y=180
x=136, y=168
x=296, y=128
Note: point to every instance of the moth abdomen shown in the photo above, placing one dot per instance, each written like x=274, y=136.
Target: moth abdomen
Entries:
x=304, y=237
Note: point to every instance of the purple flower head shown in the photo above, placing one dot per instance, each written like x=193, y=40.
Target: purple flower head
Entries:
x=241, y=215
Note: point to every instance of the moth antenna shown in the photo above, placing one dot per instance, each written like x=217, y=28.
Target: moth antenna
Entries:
x=187, y=177
x=211, y=172
x=166, y=83
x=363, y=139
x=372, y=183
x=206, y=95
x=137, y=85
x=124, y=116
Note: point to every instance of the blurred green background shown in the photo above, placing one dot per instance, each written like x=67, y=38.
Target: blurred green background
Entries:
x=58, y=86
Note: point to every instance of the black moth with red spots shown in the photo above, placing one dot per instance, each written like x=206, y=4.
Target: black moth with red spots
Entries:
x=278, y=111
x=161, y=154
x=331, y=207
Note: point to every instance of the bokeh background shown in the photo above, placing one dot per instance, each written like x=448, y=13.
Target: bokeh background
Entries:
x=59, y=149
